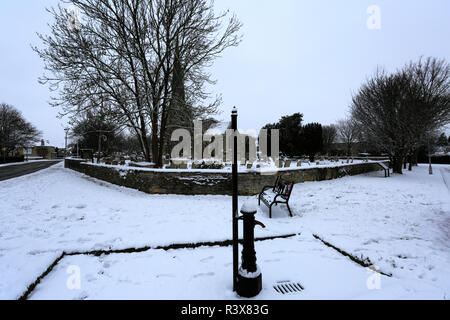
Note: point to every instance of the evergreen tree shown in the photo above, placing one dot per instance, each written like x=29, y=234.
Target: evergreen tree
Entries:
x=442, y=140
x=311, y=140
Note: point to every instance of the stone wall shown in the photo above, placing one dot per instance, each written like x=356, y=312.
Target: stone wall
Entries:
x=207, y=182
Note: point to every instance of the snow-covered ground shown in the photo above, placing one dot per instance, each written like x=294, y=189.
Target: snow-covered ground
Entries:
x=402, y=224
x=205, y=273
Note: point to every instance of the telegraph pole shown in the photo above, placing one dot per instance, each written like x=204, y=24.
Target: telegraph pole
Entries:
x=65, y=146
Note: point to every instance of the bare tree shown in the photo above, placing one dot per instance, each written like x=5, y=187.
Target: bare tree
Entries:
x=429, y=101
x=349, y=134
x=133, y=58
x=399, y=111
x=15, y=131
x=329, y=135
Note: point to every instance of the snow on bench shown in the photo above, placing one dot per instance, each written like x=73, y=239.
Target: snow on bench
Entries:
x=386, y=169
x=278, y=193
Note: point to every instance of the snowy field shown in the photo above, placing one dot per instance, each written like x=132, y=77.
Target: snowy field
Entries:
x=402, y=224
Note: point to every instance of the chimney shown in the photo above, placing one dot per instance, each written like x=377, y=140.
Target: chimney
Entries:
x=42, y=143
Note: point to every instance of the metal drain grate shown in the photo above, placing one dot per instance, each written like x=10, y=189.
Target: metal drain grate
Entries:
x=287, y=287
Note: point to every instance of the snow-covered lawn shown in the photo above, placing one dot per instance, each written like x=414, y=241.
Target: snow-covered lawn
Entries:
x=401, y=224
x=205, y=273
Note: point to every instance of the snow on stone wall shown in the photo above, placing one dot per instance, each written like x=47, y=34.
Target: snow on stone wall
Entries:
x=216, y=183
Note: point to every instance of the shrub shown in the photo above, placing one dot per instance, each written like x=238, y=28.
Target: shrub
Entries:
x=12, y=159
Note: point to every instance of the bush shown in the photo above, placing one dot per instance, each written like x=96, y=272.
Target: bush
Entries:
x=435, y=159
x=440, y=159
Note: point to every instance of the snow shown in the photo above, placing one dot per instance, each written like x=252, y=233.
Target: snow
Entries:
x=265, y=167
x=247, y=274
x=58, y=210
x=400, y=223
x=141, y=163
x=205, y=273
x=249, y=206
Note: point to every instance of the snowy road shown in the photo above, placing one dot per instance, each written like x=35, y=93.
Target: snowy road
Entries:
x=400, y=223
x=14, y=171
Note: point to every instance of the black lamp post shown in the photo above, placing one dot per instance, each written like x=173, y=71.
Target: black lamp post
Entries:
x=247, y=281
x=430, y=168
x=235, y=199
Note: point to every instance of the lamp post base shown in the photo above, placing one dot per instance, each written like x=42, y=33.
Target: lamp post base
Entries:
x=249, y=287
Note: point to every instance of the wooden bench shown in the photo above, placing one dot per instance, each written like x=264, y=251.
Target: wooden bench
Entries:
x=278, y=193
x=386, y=169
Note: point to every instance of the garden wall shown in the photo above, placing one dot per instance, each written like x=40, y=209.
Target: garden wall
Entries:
x=216, y=182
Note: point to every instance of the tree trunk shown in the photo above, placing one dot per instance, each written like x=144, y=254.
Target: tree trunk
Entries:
x=161, y=149
x=155, y=149
x=414, y=158
x=140, y=141
x=156, y=157
x=162, y=135
x=397, y=163
x=145, y=144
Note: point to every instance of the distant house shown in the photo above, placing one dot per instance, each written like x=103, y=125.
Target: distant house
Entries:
x=42, y=151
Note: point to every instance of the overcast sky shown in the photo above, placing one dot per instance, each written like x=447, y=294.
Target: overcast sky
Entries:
x=296, y=56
